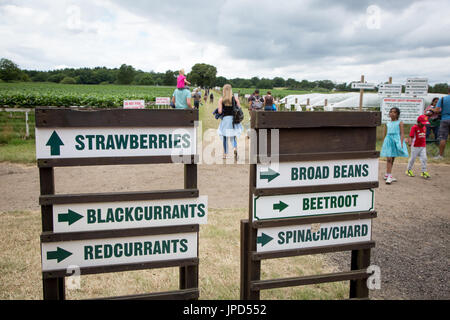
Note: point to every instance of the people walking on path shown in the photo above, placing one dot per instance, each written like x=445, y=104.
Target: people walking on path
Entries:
x=444, y=107
x=197, y=98
x=394, y=143
x=418, y=143
x=228, y=130
x=268, y=102
x=181, y=98
x=434, y=117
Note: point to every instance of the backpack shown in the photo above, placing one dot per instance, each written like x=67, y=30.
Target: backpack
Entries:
x=238, y=114
x=257, y=103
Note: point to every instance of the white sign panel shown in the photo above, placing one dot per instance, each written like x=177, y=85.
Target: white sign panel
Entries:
x=303, y=236
x=311, y=204
x=416, y=81
x=390, y=89
x=162, y=101
x=105, y=252
x=313, y=173
x=410, y=109
x=129, y=214
x=134, y=104
x=114, y=142
x=360, y=85
x=416, y=89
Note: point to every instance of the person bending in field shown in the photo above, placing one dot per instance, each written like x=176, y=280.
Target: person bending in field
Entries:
x=394, y=143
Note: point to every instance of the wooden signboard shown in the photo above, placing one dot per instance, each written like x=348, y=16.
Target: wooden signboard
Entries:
x=112, y=232
x=312, y=194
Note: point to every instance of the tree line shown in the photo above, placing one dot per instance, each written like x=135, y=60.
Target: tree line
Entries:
x=202, y=75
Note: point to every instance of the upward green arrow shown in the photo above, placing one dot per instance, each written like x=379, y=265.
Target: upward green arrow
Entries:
x=264, y=239
x=71, y=217
x=269, y=175
x=280, y=206
x=55, y=144
x=59, y=254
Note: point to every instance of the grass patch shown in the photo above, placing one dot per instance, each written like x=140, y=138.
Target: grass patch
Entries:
x=219, y=270
x=18, y=151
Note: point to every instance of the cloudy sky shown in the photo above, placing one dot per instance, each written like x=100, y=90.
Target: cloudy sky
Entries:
x=300, y=39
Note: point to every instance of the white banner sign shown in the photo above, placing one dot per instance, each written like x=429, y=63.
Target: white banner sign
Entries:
x=311, y=204
x=410, y=109
x=162, y=101
x=106, y=252
x=129, y=214
x=114, y=142
x=134, y=104
x=313, y=173
x=304, y=236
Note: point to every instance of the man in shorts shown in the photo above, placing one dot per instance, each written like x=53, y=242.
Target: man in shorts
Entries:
x=444, y=106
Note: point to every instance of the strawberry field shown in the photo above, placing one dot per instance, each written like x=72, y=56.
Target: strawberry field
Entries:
x=27, y=94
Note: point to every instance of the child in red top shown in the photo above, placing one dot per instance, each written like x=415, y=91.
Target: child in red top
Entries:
x=418, y=146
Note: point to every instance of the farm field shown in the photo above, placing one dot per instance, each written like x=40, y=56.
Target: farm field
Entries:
x=412, y=268
x=28, y=94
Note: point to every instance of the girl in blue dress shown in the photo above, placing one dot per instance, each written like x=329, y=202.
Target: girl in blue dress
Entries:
x=394, y=144
x=227, y=129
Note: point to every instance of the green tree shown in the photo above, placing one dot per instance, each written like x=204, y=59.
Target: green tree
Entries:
x=170, y=78
x=203, y=75
x=9, y=71
x=126, y=74
x=68, y=80
x=221, y=81
x=278, y=82
x=439, y=88
x=265, y=84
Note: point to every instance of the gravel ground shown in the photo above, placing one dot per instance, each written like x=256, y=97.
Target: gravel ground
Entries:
x=411, y=230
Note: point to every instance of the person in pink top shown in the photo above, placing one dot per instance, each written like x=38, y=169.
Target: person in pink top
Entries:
x=418, y=146
x=181, y=80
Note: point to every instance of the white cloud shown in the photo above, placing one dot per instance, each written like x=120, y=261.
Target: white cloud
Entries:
x=300, y=39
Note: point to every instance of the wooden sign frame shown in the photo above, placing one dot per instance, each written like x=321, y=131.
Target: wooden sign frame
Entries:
x=305, y=136
x=48, y=117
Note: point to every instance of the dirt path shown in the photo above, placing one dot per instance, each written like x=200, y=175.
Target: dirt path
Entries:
x=412, y=231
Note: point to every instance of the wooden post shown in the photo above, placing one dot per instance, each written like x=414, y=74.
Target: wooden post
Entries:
x=245, y=250
x=360, y=260
x=53, y=289
x=189, y=274
x=361, y=95
x=27, y=127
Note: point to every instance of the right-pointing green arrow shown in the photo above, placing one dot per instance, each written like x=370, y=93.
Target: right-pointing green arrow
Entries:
x=59, y=254
x=269, y=175
x=71, y=217
x=264, y=239
x=280, y=206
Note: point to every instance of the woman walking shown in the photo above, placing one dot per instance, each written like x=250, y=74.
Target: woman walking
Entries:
x=227, y=128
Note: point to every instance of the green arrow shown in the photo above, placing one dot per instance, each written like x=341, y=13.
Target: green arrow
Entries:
x=59, y=254
x=71, y=217
x=55, y=144
x=264, y=239
x=280, y=206
x=269, y=175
